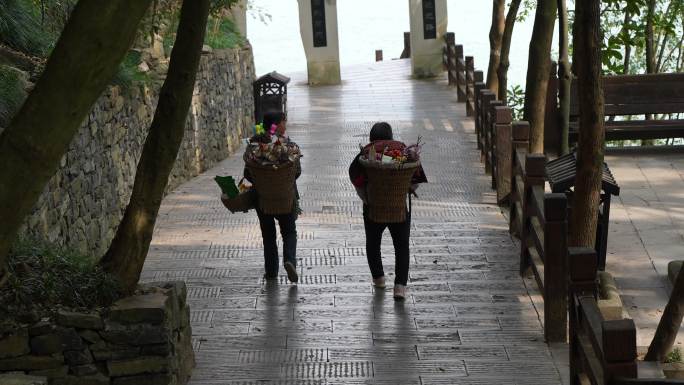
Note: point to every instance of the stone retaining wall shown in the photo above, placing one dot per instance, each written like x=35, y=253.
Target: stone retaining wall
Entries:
x=141, y=340
x=84, y=202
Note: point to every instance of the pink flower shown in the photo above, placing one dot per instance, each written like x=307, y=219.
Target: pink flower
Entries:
x=274, y=127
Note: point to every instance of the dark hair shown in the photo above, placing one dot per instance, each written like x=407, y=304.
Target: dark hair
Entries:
x=381, y=131
x=273, y=117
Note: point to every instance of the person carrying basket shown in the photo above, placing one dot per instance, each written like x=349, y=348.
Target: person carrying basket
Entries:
x=272, y=165
x=384, y=173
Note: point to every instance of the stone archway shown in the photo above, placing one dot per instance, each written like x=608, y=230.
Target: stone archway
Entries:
x=319, y=32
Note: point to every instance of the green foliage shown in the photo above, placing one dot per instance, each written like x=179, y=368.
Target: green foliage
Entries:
x=129, y=73
x=20, y=28
x=516, y=100
x=674, y=356
x=12, y=93
x=222, y=33
x=43, y=277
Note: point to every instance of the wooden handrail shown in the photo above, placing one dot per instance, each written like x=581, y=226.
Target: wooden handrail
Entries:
x=519, y=144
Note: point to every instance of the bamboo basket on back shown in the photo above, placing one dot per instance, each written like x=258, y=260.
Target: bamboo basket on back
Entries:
x=275, y=186
x=388, y=186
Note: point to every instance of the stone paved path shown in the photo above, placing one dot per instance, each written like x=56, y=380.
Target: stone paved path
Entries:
x=469, y=319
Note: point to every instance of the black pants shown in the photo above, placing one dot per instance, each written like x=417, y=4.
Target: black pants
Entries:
x=288, y=230
x=400, y=233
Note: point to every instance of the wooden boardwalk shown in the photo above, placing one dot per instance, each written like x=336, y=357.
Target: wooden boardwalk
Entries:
x=469, y=319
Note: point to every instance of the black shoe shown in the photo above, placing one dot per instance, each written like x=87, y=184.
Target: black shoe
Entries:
x=269, y=277
x=291, y=272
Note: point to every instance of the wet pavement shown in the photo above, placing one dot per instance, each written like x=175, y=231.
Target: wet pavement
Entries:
x=469, y=318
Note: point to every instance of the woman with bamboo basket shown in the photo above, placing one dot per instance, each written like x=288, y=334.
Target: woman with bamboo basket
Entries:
x=384, y=173
x=272, y=165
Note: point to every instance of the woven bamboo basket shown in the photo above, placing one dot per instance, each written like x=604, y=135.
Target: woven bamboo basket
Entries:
x=388, y=185
x=275, y=187
x=243, y=202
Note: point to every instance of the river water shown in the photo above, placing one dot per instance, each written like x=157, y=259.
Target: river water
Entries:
x=367, y=25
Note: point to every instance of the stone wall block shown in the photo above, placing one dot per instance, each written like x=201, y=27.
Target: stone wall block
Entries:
x=135, y=335
x=78, y=357
x=152, y=379
x=61, y=339
x=149, y=308
x=30, y=363
x=140, y=365
x=58, y=372
x=14, y=344
x=22, y=379
x=80, y=320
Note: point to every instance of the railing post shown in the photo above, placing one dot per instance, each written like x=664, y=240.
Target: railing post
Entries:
x=407, y=46
x=520, y=140
x=582, y=272
x=481, y=93
x=555, y=274
x=460, y=73
x=619, y=349
x=501, y=153
x=535, y=170
x=450, y=40
x=470, y=85
x=488, y=115
x=378, y=55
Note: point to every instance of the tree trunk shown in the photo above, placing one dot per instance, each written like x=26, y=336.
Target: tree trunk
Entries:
x=669, y=324
x=564, y=76
x=538, y=71
x=495, y=41
x=504, y=63
x=86, y=57
x=626, y=38
x=650, y=53
x=126, y=254
x=587, y=43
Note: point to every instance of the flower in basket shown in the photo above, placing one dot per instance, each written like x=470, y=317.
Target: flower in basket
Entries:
x=392, y=151
x=272, y=153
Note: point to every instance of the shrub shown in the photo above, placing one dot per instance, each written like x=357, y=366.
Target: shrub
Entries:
x=43, y=277
x=12, y=93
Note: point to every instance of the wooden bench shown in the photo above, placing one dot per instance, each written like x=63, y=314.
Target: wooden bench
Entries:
x=630, y=95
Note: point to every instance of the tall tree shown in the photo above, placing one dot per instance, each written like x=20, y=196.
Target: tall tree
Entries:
x=564, y=76
x=84, y=60
x=587, y=48
x=495, y=40
x=126, y=255
x=538, y=71
x=504, y=63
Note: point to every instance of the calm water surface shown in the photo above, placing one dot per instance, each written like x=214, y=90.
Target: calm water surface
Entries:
x=367, y=25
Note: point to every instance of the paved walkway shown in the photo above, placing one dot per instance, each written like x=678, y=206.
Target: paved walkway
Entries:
x=469, y=319
x=646, y=231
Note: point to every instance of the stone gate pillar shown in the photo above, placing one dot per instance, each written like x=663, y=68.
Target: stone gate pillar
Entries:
x=428, y=25
x=318, y=27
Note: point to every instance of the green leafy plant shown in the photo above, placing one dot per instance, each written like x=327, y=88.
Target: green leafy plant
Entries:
x=516, y=100
x=674, y=356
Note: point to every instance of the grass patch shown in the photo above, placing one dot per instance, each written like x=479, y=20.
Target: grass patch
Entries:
x=21, y=29
x=12, y=93
x=44, y=277
x=222, y=34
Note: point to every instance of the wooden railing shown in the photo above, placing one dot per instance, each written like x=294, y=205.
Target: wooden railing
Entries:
x=519, y=146
x=542, y=221
x=454, y=64
x=602, y=352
